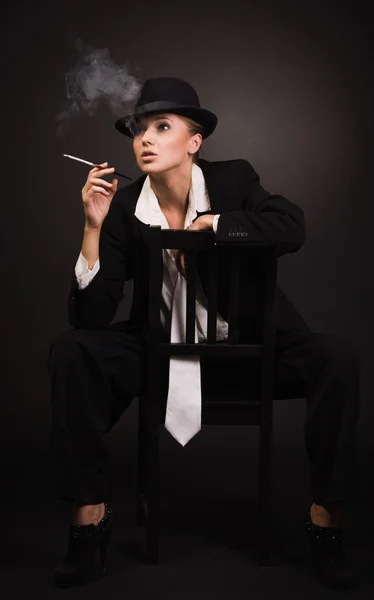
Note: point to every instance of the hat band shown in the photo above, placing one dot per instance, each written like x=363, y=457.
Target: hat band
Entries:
x=159, y=105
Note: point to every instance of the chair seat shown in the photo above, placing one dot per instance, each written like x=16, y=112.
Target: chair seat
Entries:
x=241, y=381
x=240, y=394
x=231, y=382
x=235, y=400
x=235, y=380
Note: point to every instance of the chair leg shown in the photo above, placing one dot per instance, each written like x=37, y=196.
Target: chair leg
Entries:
x=152, y=523
x=141, y=499
x=265, y=534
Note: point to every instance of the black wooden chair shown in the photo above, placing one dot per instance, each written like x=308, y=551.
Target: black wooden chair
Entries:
x=238, y=407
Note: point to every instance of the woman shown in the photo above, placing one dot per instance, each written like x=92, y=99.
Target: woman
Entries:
x=96, y=368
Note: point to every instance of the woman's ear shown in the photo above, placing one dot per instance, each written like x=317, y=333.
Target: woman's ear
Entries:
x=195, y=142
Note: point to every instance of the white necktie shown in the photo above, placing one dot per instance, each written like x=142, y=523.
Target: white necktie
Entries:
x=183, y=409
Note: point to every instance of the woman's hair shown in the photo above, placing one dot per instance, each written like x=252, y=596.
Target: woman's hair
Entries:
x=193, y=128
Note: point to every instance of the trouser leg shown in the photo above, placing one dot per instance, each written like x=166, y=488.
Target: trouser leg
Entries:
x=328, y=368
x=93, y=375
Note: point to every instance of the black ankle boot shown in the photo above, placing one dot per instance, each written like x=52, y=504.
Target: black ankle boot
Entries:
x=86, y=554
x=328, y=556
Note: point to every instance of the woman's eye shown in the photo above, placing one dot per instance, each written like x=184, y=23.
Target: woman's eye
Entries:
x=163, y=125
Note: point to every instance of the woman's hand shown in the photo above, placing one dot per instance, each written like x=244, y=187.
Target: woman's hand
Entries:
x=201, y=223
x=179, y=258
x=97, y=195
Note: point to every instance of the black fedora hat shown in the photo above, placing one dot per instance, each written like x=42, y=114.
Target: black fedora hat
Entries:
x=172, y=95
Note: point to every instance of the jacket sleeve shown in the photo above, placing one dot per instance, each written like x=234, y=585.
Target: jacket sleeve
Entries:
x=95, y=306
x=271, y=222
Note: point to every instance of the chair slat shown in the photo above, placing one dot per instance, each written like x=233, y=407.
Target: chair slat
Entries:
x=234, y=298
x=155, y=283
x=268, y=338
x=191, y=296
x=212, y=297
x=218, y=350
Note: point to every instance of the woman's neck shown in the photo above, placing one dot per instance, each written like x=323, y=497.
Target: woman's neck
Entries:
x=172, y=188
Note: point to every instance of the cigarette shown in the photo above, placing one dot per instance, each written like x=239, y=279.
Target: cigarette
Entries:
x=86, y=162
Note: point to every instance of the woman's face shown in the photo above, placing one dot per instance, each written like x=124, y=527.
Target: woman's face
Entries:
x=163, y=142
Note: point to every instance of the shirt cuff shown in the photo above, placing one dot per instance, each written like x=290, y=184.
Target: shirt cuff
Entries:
x=215, y=223
x=83, y=274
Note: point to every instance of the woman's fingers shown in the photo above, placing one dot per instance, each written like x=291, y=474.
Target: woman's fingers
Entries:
x=180, y=262
x=103, y=171
x=183, y=263
x=97, y=181
x=97, y=188
x=105, y=164
x=106, y=170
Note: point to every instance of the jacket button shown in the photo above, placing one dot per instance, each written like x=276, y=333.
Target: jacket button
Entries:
x=245, y=234
x=230, y=234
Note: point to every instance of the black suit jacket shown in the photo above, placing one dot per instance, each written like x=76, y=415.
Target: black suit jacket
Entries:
x=247, y=213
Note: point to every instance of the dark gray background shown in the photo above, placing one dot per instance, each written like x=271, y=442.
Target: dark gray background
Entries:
x=291, y=84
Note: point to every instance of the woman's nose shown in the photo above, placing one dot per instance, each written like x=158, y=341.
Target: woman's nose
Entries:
x=147, y=137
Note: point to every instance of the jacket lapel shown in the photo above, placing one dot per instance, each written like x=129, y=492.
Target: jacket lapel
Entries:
x=131, y=194
x=214, y=187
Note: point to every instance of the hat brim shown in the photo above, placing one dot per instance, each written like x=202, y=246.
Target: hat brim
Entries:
x=205, y=118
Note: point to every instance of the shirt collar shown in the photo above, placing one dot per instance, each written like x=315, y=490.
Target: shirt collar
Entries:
x=148, y=209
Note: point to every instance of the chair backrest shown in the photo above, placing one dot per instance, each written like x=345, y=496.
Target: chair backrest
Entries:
x=193, y=242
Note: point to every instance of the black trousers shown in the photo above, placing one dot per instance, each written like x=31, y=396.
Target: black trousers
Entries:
x=94, y=376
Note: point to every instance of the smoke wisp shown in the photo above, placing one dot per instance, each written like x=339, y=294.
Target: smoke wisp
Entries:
x=94, y=80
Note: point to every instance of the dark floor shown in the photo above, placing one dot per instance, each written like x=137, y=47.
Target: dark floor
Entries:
x=208, y=510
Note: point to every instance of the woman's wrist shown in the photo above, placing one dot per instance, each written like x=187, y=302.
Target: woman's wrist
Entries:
x=90, y=229
x=207, y=221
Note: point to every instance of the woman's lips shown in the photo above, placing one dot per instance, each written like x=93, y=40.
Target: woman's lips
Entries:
x=149, y=156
